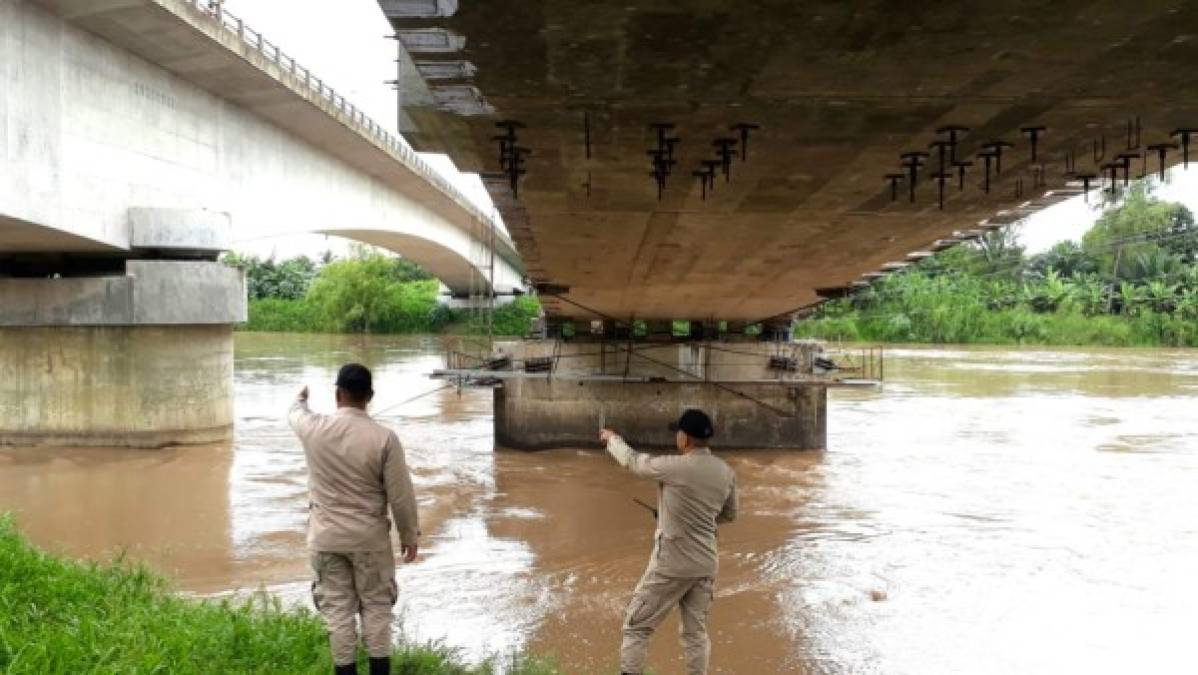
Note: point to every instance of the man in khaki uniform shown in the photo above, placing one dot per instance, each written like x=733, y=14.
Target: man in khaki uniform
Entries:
x=356, y=469
x=695, y=491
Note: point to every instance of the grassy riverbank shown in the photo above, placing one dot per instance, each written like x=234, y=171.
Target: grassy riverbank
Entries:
x=60, y=616
x=977, y=323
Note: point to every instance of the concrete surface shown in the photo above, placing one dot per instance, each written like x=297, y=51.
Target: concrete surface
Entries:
x=154, y=104
x=751, y=405
x=839, y=90
x=130, y=386
x=151, y=292
x=180, y=231
x=544, y=414
x=717, y=361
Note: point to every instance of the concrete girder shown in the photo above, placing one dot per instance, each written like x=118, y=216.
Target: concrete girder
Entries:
x=838, y=90
x=144, y=104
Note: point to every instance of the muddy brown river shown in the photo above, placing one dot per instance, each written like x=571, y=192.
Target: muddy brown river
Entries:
x=987, y=511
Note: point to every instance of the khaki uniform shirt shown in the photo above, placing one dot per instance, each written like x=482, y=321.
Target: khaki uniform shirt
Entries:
x=356, y=469
x=695, y=492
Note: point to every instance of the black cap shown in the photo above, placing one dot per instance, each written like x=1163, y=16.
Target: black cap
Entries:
x=695, y=423
x=355, y=379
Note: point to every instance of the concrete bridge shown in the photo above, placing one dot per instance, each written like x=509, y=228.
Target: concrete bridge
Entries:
x=833, y=94
x=724, y=161
x=121, y=107
x=137, y=139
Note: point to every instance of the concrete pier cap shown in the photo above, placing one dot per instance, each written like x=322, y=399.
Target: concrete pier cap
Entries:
x=141, y=359
x=759, y=395
x=182, y=232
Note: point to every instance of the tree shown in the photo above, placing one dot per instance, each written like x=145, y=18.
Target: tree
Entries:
x=288, y=280
x=366, y=294
x=1067, y=258
x=996, y=254
x=404, y=270
x=1000, y=252
x=1155, y=264
x=352, y=294
x=1139, y=226
x=399, y=269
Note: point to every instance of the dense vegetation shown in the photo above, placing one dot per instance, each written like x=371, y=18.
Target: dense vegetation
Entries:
x=58, y=616
x=1131, y=281
x=367, y=292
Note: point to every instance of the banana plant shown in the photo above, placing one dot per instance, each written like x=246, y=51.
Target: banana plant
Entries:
x=1054, y=292
x=1132, y=297
x=1187, y=304
x=1091, y=295
x=1161, y=296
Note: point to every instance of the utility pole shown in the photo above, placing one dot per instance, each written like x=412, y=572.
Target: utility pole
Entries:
x=491, y=294
x=1114, y=281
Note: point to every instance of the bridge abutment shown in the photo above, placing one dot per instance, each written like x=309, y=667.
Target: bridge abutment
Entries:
x=756, y=400
x=143, y=359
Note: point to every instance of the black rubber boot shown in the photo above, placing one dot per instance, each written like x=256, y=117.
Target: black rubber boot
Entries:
x=351, y=669
x=380, y=666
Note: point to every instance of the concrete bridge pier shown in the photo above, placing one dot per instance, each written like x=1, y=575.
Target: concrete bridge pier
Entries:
x=754, y=404
x=138, y=354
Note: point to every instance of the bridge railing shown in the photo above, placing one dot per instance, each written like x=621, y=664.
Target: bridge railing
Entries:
x=392, y=142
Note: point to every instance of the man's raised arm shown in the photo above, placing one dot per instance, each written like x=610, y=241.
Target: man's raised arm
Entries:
x=639, y=463
x=299, y=415
x=401, y=497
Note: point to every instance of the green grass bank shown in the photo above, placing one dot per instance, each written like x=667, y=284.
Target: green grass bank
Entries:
x=980, y=325
x=62, y=616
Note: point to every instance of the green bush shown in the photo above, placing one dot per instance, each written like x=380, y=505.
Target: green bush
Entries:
x=512, y=319
x=279, y=315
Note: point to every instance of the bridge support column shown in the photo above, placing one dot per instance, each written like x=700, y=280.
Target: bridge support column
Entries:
x=752, y=405
x=143, y=359
x=777, y=330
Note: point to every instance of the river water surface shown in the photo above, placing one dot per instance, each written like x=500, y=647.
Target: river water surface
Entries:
x=987, y=511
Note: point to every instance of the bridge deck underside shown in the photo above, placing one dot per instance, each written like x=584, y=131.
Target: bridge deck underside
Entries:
x=18, y=236
x=839, y=90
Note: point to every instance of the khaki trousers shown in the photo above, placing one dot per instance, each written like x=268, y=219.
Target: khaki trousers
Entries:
x=652, y=600
x=349, y=586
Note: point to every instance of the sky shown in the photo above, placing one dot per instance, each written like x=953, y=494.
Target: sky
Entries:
x=348, y=48
x=1071, y=218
